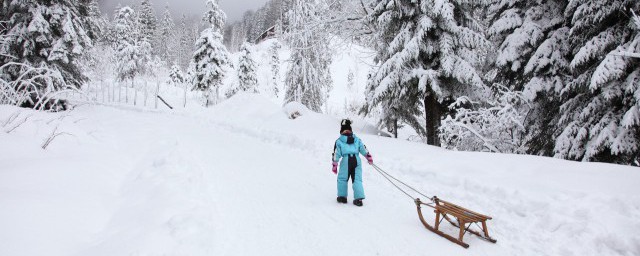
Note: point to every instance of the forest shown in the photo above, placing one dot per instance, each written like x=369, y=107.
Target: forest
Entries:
x=557, y=78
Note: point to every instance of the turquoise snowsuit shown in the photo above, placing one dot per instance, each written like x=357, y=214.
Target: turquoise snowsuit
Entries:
x=347, y=149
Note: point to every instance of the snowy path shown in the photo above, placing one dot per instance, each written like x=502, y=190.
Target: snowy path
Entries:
x=204, y=183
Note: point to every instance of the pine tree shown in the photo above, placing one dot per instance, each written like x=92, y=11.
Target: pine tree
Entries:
x=532, y=57
x=600, y=117
x=274, y=52
x=247, y=76
x=132, y=53
x=176, y=76
x=428, y=53
x=210, y=55
x=147, y=21
x=519, y=27
x=185, y=44
x=166, y=43
x=47, y=35
x=308, y=78
x=95, y=23
x=125, y=43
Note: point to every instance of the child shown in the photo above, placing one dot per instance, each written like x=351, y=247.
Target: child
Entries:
x=347, y=148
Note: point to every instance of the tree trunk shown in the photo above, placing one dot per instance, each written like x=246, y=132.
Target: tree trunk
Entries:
x=120, y=92
x=103, y=90
x=146, y=93
x=395, y=128
x=135, y=96
x=432, y=114
x=185, y=95
x=157, y=95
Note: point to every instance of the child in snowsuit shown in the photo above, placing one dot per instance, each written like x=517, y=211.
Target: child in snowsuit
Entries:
x=347, y=148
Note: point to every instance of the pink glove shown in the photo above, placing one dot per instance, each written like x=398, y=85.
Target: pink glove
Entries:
x=369, y=158
x=335, y=168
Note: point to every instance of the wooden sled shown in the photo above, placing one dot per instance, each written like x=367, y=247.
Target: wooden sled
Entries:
x=464, y=219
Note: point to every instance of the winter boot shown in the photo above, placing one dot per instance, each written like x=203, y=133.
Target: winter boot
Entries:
x=358, y=202
x=342, y=199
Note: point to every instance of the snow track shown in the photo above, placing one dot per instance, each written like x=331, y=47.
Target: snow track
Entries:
x=245, y=180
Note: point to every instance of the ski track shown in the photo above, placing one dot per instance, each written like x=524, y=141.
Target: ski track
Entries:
x=203, y=184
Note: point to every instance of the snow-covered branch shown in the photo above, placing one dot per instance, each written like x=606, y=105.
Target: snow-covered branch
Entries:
x=52, y=136
x=495, y=125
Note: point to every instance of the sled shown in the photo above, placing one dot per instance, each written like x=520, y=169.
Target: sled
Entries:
x=464, y=219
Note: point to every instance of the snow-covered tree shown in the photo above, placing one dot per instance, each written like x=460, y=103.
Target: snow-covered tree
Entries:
x=31, y=81
x=126, y=44
x=600, y=116
x=185, y=45
x=247, y=72
x=166, y=37
x=147, y=21
x=94, y=21
x=532, y=57
x=308, y=78
x=48, y=35
x=428, y=51
x=210, y=55
x=274, y=61
x=175, y=75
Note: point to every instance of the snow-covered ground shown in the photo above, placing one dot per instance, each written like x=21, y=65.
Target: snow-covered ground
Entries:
x=243, y=179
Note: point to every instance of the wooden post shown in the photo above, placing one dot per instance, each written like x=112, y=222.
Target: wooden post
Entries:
x=437, y=219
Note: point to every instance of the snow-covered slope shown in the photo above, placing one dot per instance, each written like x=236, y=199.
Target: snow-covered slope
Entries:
x=243, y=179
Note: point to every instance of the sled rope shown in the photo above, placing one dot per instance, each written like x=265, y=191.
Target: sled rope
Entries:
x=388, y=176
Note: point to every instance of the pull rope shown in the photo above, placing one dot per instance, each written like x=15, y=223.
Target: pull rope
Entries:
x=388, y=176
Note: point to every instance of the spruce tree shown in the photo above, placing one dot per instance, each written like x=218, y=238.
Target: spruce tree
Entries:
x=185, y=46
x=210, y=55
x=49, y=35
x=600, y=118
x=132, y=53
x=274, y=61
x=175, y=75
x=247, y=76
x=126, y=44
x=428, y=54
x=147, y=21
x=532, y=57
x=166, y=43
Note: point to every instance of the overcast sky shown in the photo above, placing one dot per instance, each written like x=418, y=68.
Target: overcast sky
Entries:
x=233, y=8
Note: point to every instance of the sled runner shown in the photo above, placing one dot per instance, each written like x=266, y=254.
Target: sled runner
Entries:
x=464, y=219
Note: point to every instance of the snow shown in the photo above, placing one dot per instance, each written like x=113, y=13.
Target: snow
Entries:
x=244, y=179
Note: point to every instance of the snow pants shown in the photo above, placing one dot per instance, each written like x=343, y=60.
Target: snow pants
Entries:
x=350, y=168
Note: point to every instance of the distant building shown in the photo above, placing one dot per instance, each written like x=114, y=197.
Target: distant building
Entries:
x=267, y=34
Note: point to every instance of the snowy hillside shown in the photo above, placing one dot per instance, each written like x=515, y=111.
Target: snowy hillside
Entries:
x=243, y=179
